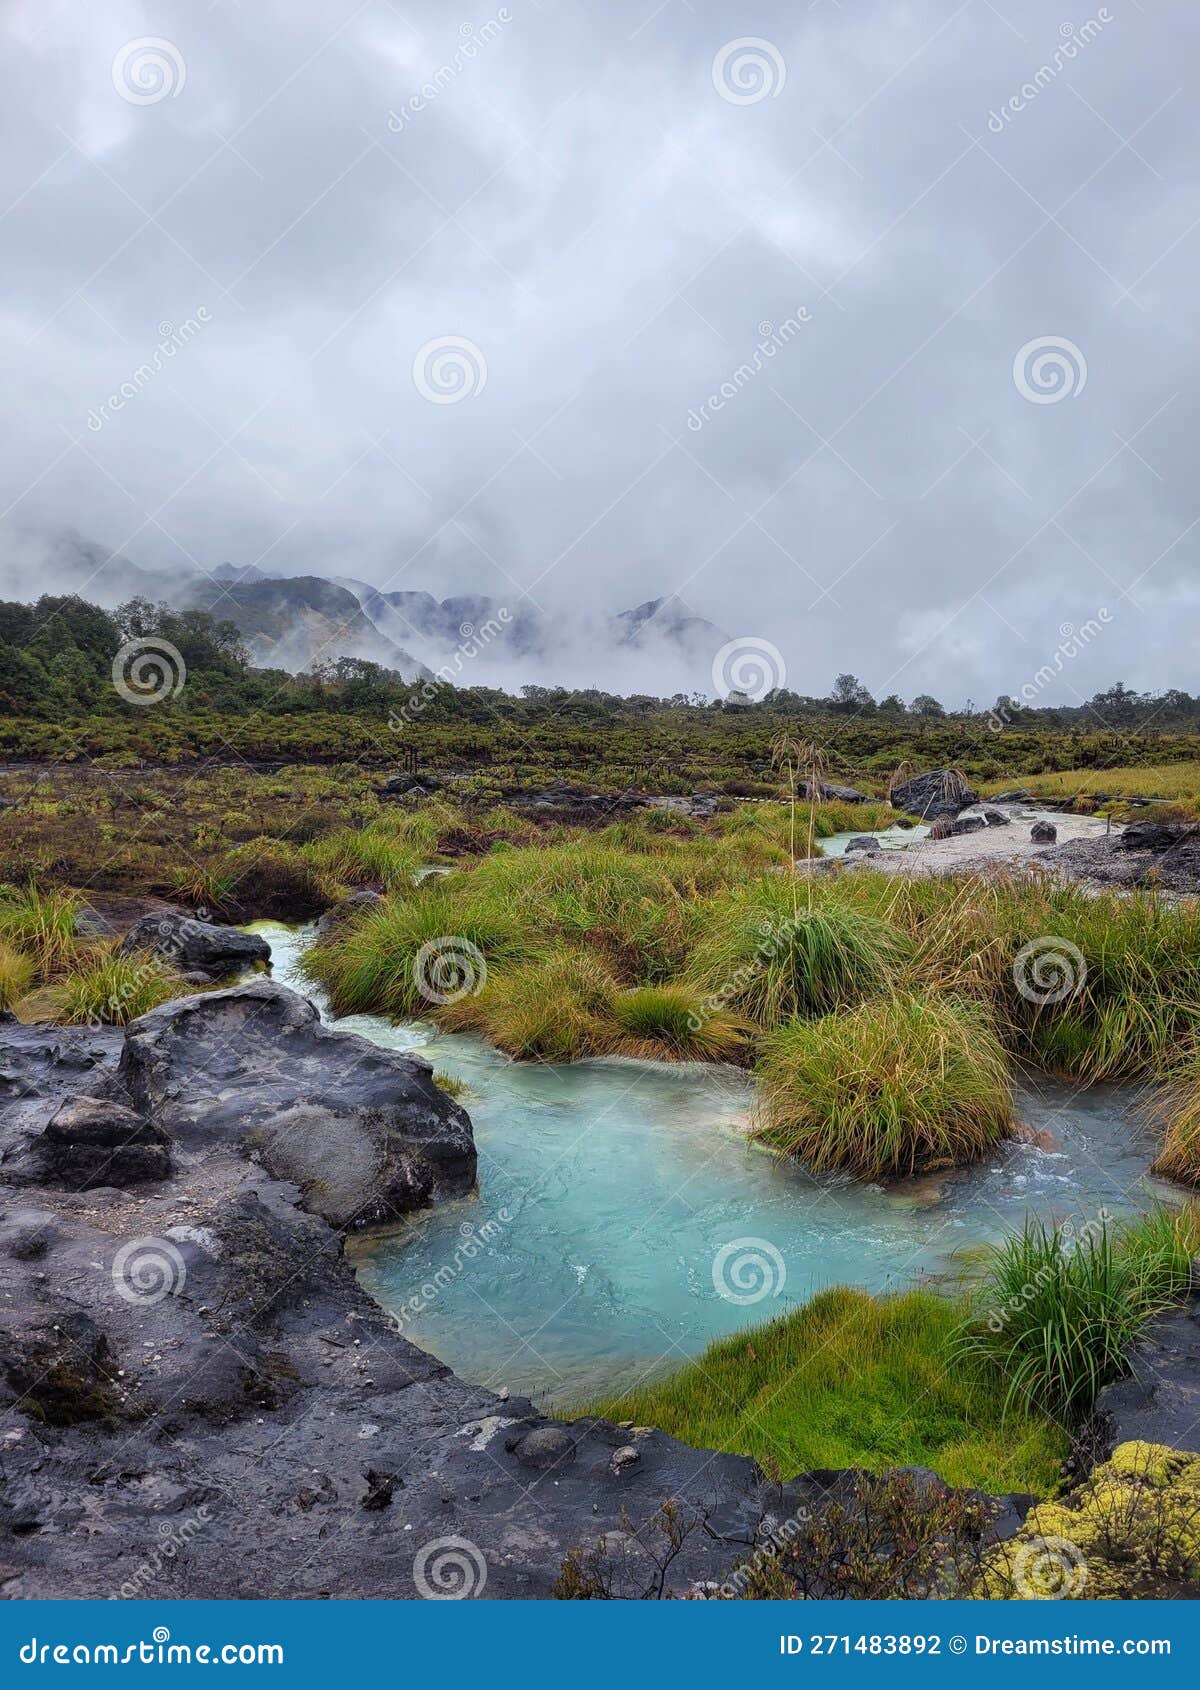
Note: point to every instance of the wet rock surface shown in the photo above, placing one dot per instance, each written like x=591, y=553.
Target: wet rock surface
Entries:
x=197, y=1398
x=1108, y=861
x=196, y=947
x=1160, y=1402
x=938, y=793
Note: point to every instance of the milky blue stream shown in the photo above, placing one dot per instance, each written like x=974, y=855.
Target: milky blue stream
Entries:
x=608, y=1191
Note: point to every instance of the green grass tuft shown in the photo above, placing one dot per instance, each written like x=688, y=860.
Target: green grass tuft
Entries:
x=901, y=1085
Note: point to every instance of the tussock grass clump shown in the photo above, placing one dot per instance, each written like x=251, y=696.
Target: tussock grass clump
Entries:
x=1130, y=980
x=379, y=963
x=558, y=1008
x=17, y=970
x=39, y=923
x=767, y=958
x=850, y=1380
x=677, y=1022
x=105, y=986
x=903, y=1084
x=1178, y=1101
x=1058, y=1308
x=368, y=856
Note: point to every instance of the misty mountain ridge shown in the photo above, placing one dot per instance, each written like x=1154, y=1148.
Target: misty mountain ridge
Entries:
x=295, y=621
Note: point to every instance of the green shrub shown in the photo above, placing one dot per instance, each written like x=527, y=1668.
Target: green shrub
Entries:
x=558, y=1008
x=1059, y=1308
x=40, y=923
x=676, y=1021
x=17, y=970
x=765, y=957
x=106, y=986
x=903, y=1084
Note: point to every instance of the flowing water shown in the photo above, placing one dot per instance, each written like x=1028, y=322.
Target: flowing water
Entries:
x=623, y=1221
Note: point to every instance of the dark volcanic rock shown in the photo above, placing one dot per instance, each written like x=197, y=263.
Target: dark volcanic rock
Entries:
x=828, y=790
x=938, y=793
x=356, y=904
x=196, y=947
x=1104, y=861
x=1160, y=1402
x=994, y=817
x=92, y=1141
x=968, y=824
x=409, y=786
x=863, y=842
x=364, y=1132
x=572, y=804
x=1160, y=836
x=1043, y=833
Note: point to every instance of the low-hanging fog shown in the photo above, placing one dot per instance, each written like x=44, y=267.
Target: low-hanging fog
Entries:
x=577, y=306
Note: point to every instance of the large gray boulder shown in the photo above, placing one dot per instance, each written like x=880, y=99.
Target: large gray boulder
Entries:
x=364, y=1132
x=939, y=793
x=196, y=947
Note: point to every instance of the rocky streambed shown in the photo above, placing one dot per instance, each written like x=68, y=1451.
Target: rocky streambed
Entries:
x=197, y=1396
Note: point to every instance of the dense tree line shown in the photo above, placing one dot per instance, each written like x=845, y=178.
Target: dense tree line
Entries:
x=56, y=663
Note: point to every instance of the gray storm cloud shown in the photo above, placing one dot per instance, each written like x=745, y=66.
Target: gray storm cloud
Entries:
x=502, y=305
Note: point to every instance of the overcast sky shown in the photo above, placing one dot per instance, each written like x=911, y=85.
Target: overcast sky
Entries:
x=603, y=210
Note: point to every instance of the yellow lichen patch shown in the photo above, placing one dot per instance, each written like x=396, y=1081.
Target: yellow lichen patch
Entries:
x=1132, y=1530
